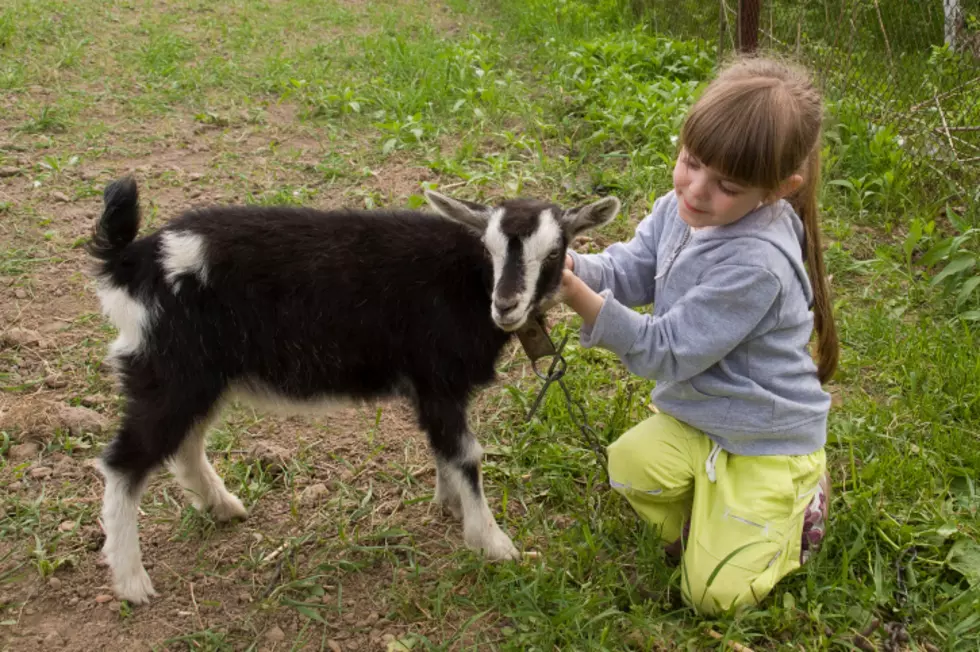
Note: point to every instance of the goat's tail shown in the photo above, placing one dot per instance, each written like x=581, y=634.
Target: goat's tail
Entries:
x=120, y=221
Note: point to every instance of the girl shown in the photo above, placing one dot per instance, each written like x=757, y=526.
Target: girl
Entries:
x=732, y=467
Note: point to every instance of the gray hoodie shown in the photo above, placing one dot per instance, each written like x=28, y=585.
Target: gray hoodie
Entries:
x=727, y=341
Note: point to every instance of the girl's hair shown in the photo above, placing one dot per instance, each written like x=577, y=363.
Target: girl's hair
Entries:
x=759, y=123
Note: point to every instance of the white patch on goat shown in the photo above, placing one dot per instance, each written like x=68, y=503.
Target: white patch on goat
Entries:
x=496, y=243
x=183, y=253
x=120, y=518
x=480, y=529
x=199, y=479
x=545, y=239
x=268, y=399
x=472, y=452
x=130, y=317
x=536, y=248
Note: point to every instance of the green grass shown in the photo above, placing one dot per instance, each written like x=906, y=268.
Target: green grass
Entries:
x=564, y=100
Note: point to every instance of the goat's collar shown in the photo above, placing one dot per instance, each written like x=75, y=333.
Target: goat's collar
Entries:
x=535, y=339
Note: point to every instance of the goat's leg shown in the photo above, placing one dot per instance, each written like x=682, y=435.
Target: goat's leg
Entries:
x=125, y=469
x=150, y=434
x=458, y=459
x=200, y=481
x=480, y=529
x=120, y=518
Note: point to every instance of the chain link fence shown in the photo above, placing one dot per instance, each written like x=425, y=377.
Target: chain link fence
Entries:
x=909, y=66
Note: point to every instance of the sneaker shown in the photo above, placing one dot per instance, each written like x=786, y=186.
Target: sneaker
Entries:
x=815, y=520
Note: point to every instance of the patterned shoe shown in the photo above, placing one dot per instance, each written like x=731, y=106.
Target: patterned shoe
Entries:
x=815, y=520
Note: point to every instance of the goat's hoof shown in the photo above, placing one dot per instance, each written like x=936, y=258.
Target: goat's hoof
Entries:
x=135, y=588
x=504, y=552
x=496, y=545
x=229, y=509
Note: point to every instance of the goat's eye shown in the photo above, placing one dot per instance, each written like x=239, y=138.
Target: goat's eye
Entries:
x=553, y=255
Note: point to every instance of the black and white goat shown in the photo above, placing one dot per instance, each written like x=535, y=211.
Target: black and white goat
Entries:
x=303, y=306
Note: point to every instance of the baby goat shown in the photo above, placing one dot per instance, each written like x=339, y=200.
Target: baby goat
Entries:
x=303, y=306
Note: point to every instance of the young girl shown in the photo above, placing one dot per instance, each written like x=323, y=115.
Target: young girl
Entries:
x=732, y=468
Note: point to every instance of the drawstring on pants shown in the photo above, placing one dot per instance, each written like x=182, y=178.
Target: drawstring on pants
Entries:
x=709, y=464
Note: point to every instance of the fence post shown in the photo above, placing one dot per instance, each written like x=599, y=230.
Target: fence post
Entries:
x=748, y=26
x=954, y=22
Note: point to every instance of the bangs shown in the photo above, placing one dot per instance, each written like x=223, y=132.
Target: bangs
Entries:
x=739, y=131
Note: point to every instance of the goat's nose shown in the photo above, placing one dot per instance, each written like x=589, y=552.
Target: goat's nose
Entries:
x=504, y=306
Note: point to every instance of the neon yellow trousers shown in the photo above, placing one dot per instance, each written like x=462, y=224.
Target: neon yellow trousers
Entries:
x=745, y=513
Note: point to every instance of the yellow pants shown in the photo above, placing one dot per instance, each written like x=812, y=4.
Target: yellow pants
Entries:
x=745, y=513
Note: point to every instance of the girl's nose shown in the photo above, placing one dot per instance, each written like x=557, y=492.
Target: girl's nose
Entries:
x=698, y=186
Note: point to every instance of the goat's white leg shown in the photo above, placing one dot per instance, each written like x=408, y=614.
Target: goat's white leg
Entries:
x=480, y=529
x=458, y=458
x=202, y=484
x=447, y=492
x=120, y=518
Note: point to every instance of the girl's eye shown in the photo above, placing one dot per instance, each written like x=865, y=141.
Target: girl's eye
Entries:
x=728, y=190
x=694, y=164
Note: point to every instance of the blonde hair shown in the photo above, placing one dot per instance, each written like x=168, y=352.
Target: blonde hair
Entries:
x=759, y=123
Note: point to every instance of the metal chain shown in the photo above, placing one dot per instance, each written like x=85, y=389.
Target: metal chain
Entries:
x=902, y=593
x=576, y=411
x=897, y=631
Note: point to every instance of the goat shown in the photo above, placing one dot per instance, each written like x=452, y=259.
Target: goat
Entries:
x=305, y=306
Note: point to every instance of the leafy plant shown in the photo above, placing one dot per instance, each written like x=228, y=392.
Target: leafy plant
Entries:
x=404, y=132
x=626, y=95
x=958, y=255
x=868, y=162
x=333, y=103
x=955, y=257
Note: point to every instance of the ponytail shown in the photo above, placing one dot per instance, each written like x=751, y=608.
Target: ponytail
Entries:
x=804, y=201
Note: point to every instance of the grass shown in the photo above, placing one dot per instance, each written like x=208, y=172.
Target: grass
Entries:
x=331, y=102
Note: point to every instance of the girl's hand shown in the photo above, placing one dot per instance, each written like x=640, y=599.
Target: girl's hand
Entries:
x=569, y=263
x=580, y=297
x=569, y=283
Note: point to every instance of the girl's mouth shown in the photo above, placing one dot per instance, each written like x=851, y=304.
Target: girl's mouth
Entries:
x=691, y=208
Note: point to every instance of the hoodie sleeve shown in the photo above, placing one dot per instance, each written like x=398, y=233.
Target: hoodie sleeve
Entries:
x=696, y=332
x=628, y=269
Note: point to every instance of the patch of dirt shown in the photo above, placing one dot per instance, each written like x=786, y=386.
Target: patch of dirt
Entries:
x=397, y=179
x=40, y=418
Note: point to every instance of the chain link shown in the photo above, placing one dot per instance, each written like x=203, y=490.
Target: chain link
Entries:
x=576, y=411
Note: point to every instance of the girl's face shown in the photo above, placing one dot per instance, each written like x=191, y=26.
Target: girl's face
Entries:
x=707, y=198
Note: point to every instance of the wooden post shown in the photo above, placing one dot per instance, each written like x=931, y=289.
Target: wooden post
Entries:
x=748, y=26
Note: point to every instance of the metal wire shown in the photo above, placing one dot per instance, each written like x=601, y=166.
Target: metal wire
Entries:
x=884, y=57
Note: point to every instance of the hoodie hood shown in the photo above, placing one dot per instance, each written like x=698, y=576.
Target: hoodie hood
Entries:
x=779, y=225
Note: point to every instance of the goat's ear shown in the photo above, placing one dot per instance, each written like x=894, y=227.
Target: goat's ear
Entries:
x=468, y=213
x=591, y=215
